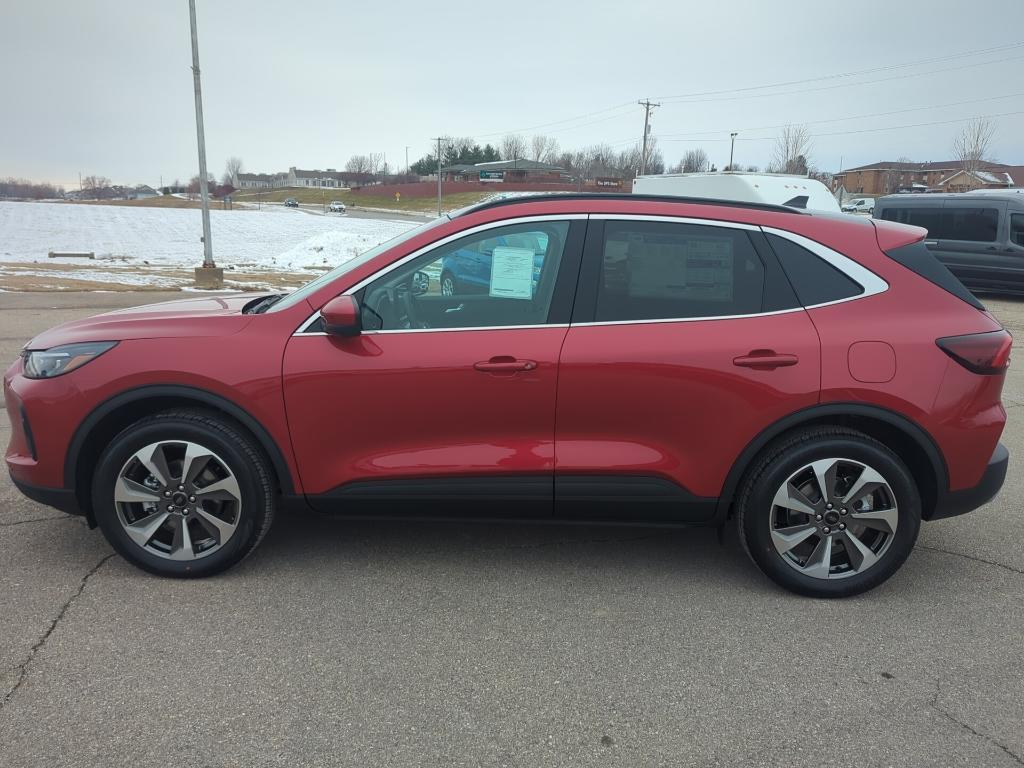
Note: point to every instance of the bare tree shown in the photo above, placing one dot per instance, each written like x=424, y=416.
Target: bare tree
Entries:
x=513, y=147
x=792, y=151
x=358, y=164
x=971, y=146
x=96, y=186
x=694, y=161
x=544, y=148
x=232, y=168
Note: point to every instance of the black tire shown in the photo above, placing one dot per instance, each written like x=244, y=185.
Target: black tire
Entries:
x=786, y=456
x=449, y=277
x=244, y=459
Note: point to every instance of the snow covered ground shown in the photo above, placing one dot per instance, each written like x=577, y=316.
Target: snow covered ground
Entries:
x=274, y=239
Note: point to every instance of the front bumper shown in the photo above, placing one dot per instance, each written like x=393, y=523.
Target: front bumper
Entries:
x=63, y=499
x=953, y=503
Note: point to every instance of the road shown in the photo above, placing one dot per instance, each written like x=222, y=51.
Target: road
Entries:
x=393, y=644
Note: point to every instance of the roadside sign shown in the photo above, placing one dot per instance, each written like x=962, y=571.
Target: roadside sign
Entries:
x=398, y=197
x=492, y=175
x=608, y=181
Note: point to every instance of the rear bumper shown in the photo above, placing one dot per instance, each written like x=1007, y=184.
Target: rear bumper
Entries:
x=59, y=498
x=954, y=503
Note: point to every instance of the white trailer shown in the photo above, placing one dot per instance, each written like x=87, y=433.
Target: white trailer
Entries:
x=770, y=188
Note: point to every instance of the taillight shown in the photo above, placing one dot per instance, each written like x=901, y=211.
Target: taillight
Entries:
x=979, y=352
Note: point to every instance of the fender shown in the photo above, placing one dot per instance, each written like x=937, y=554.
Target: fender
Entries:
x=180, y=391
x=817, y=413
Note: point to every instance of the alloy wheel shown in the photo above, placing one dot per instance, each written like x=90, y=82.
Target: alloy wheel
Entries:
x=447, y=287
x=833, y=518
x=178, y=500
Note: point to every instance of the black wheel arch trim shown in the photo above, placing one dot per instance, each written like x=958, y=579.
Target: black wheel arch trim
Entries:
x=200, y=397
x=826, y=410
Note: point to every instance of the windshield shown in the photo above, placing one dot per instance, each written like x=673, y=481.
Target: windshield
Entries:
x=314, y=285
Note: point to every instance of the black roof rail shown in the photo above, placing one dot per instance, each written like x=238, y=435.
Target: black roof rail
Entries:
x=552, y=196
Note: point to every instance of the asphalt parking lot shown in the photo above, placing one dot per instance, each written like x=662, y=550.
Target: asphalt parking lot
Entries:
x=393, y=644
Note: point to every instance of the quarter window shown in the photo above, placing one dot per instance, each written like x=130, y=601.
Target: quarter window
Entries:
x=814, y=279
x=654, y=271
x=501, y=277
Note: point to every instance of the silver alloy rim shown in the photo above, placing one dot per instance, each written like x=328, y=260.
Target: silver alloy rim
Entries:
x=833, y=518
x=178, y=500
x=447, y=287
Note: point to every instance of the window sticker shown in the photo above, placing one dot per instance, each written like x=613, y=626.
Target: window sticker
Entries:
x=694, y=269
x=512, y=273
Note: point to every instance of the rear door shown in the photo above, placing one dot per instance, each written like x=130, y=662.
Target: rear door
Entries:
x=968, y=242
x=686, y=341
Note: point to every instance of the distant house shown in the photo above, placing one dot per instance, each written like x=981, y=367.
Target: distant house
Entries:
x=886, y=177
x=506, y=170
x=144, y=192
x=297, y=177
x=258, y=180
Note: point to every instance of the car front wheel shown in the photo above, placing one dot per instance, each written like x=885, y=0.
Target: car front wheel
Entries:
x=829, y=512
x=183, y=493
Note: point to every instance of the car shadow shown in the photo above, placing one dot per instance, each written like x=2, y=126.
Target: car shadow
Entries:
x=301, y=539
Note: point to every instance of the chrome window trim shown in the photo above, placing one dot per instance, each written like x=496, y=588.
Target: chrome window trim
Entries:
x=301, y=331
x=452, y=330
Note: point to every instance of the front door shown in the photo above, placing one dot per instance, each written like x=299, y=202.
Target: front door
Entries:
x=687, y=346
x=445, y=404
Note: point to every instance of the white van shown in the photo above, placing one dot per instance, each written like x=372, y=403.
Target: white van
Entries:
x=860, y=205
x=770, y=188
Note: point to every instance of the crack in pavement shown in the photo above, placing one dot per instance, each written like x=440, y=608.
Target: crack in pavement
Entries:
x=22, y=669
x=934, y=704
x=964, y=555
x=37, y=520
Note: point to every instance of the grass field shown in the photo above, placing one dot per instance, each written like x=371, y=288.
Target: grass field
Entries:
x=319, y=197
x=164, y=201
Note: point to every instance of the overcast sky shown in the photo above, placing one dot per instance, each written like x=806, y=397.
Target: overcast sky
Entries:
x=104, y=86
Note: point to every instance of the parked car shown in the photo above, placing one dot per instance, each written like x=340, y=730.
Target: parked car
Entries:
x=291, y=202
x=336, y=206
x=468, y=269
x=821, y=382
x=859, y=205
x=979, y=237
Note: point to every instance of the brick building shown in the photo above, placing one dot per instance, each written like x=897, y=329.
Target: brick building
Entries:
x=888, y=177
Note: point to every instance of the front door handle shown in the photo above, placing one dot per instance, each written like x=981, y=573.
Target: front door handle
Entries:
x=765, y=360
x=505, y=364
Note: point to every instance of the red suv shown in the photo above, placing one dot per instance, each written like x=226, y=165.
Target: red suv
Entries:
x=821, y=380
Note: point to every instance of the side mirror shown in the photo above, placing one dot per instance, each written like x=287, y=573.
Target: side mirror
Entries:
x=420, y=283
x=341, y=316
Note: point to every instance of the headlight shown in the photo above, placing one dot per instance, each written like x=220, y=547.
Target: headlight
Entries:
x=56, y=361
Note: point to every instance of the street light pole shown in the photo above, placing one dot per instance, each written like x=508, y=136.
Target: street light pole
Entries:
x=732, y=145
x=209, y=277
x=438, y=140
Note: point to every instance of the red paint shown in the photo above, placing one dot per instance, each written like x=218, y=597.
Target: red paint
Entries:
x=679, y=400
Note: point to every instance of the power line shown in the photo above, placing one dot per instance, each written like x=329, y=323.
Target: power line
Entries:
x=670, y=136
x=855, y=73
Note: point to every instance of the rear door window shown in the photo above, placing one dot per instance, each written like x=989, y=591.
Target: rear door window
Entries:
x=1017, y=229
x=664, y=271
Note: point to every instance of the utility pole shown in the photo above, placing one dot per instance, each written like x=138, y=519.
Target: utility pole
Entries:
x=207, y=276
x=732, y=145
x=407, y=161
x=647, y=105
x=438, y=140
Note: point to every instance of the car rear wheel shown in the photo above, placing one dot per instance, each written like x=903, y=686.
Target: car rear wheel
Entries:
x=829, y=512
x=183, y=493
x=447, y=284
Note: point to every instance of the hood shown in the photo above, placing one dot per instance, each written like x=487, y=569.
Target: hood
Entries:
x=221, y=316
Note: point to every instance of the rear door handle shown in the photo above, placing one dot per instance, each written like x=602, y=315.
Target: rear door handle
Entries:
x=505, y=364
x=765, y=360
